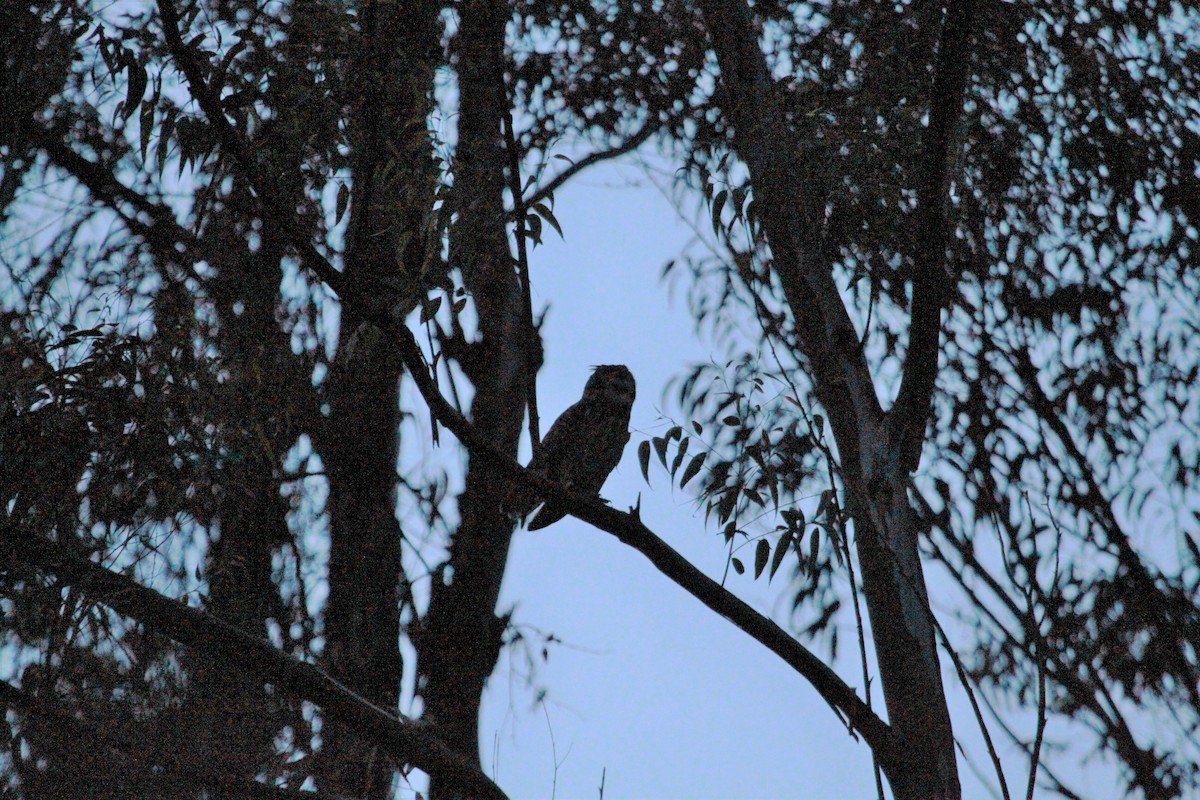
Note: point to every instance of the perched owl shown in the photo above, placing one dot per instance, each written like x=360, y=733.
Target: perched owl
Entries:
x=584, y=444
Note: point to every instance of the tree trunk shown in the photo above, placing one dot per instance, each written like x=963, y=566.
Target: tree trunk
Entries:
x=391, y=84
x=462, y=635
x=234, y=722
x=885, y=524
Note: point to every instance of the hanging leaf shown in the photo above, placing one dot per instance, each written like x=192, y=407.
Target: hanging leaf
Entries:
x=679, y=455
x=146, y=127
x=718, y=204
x=533, y=228
x=644, y=459
x=738, y=567
x=798, y=545
x=660, y=447
x=693, y=467
x=430, y=308
x=762, y=552
x=822, y=504
x=545, y=213
x=728, y=503
x=814, y=549
x=134, y=89
x=737, y=198
x=163, y=146
x=794, y=517
x=781, y=548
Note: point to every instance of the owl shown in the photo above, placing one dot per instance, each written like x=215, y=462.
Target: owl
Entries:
x=584, y=444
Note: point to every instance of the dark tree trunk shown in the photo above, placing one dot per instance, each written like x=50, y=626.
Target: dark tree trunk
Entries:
x=234, y=722
x=462, y=635
x=391, y=84
x=885, y=524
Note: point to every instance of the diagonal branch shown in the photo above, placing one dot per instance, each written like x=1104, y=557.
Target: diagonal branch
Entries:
x=243, y=156
x=407, y=741
x=98, y=179
x=628, y=146
x=628, y=528
x=153, y=221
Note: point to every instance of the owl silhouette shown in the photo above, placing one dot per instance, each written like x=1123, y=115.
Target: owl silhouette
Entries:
x=584, y=444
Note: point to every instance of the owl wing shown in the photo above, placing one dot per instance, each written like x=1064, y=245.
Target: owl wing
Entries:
x=561, y=440
x=603, y=454
x=585, y=466
x=556, y=448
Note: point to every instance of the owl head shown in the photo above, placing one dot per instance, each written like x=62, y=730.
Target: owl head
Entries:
x=612, y=384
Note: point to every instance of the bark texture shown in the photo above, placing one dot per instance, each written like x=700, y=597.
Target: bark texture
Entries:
x=873, y=462
x=462, y=633
x=391, y=82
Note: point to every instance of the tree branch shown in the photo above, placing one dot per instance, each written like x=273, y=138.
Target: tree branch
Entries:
x=240, y=151
x=405, y=740
x=931, y=285
x=628, y=528
x=791, y=208
x=162, y=231
x=520, y=209
x=628, y=146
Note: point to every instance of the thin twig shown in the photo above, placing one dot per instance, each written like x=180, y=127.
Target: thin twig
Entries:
x=964, y=679
x=628, y=146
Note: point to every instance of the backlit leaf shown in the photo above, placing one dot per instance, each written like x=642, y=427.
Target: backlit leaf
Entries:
x=718, y=204
x=693, y=467
x=679, y=455
x=762, y=552
x=781, y=548
x=660, y=447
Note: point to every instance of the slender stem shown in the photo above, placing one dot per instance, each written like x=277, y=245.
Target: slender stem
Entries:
x=519, y=211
